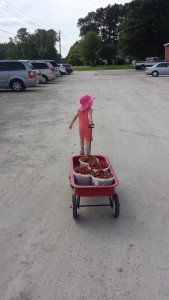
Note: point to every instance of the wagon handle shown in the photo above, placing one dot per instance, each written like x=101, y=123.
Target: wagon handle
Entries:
x=90, y=126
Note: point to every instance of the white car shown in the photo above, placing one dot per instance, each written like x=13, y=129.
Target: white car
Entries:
x=55, y=65
x=62, y=69
x=161, y=68
x=45, y=68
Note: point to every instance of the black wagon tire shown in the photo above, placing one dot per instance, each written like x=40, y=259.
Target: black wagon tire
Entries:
x=116, y=206
x=155, y=73
x=74, y=206
x=17, y=85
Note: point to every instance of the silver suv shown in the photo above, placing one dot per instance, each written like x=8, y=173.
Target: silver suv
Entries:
x=17, y=75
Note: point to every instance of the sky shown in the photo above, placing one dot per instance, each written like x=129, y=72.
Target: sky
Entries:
x=59, y=15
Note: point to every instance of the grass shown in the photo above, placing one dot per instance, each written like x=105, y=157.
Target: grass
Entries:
x=101, y=67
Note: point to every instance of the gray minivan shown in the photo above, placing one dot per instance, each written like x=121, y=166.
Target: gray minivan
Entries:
x=17, y=75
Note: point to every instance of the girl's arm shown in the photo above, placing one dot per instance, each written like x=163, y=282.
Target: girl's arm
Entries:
x=74, y=119
x=90, y=116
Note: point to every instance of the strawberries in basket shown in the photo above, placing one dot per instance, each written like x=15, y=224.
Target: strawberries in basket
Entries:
x=82, y=170
x=98, y=165
x=102, y=174
x=88, y=158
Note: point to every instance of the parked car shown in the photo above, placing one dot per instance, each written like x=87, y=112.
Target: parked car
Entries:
x=39, y=77
x=68, y=68
x=17, y=75
x=62, y=69
x=55, y=65
x=47, y=70
x=158, y=69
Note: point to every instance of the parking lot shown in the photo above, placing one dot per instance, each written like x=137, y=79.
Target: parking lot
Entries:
x=44, y=253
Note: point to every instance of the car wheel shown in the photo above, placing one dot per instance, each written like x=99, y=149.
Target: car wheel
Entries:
x=17, y=85
x=142, y=67
x=45, y=79
x=155, y=73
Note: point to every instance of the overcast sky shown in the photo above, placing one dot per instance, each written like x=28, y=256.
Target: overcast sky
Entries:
x=60, y=15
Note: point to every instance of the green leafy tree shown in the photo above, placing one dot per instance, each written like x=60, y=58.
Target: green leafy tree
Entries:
x=39, y=45
x=89, y=48
x=44, y=42
x=105, y=22
x=73, y=56
x=3, y=50
x=88, y=24
x=108, y=52
x=145, y=28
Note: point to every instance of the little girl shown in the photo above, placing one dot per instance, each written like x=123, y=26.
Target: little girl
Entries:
x=85, y=121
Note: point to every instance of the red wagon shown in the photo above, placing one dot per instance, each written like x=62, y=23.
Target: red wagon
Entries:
x=91, y=190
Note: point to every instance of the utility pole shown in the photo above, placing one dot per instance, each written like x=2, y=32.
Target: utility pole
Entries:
x=59, y=42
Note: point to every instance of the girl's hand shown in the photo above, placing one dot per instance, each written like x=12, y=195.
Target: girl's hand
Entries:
x=70, y=127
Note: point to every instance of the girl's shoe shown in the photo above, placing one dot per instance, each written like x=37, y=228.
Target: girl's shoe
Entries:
x=82, y=152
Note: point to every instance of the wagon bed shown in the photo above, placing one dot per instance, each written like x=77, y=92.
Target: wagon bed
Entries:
x=92, y=190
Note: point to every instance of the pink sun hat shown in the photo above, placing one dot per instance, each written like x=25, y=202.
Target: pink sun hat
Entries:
x=86, y=101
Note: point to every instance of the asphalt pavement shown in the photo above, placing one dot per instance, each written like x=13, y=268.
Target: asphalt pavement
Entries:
x=44, y=253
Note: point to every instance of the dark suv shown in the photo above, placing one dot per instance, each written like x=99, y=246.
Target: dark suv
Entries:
x=17, y=75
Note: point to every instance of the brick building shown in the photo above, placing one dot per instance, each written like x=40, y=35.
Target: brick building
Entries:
x=166, y=51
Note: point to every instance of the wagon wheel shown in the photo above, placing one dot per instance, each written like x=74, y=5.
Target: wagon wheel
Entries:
x=116, y=206
x=78, y=201
x=74, y=206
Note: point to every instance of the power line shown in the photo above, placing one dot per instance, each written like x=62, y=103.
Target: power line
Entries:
x=18, y=15
x=7, y=31
x=11, y=9
x=16, y=12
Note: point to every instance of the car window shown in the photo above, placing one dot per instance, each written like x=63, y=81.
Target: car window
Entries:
x=53, y=63
x=15, y=65
x=3, y=66
x=162, y=65
x=38, y=65
x=31, y=66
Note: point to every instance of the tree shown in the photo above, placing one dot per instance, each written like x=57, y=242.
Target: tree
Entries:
x=39, y=45
x=108, y=52
x=112, y=16
x=145, y=28
x=44, y=42
x=106, y=23
x=89, y=48
x=73, y=56
x=88, y=24
x=3, y=50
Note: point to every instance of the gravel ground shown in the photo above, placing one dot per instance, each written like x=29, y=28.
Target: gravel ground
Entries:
x=44, y=253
